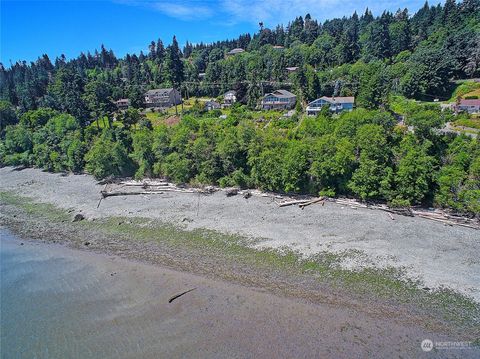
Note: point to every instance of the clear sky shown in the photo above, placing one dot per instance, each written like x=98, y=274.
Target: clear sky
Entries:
x=31, y=28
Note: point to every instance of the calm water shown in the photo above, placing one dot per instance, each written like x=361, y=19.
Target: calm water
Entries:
x=61, y=303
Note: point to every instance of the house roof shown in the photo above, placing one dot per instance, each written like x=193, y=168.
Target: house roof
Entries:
x=335, y=100
x=238, y=50
x=281, y=94
x=278, y=47
x=159, y=91
x=293, y=68
x=212, y=104
x=231, y=92
x=472, y=102
x=122, y=100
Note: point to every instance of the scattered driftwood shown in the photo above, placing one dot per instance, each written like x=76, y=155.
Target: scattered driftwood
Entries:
x=109, y=180
x=180, y=294
x=446, y=221
x=437, y=215
x=291, y=203
x=316, y=200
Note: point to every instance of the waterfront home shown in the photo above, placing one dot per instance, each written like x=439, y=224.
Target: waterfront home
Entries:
x=229, y=98
x=279, y=99
x=122, y=104
x=335, y=104
x=163, y=98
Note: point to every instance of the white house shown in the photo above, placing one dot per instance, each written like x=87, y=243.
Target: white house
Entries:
x=229, y=98
x=336, y=104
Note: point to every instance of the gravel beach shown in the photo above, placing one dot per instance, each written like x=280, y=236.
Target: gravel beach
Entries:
x=433, y=253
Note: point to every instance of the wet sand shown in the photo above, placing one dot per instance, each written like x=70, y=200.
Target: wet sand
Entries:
x=57, y=302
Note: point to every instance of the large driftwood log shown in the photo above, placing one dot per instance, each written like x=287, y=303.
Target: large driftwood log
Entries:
x=313, y=201
x=291, y=203
x=114, y=194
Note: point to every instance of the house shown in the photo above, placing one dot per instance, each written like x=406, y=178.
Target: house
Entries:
x=123, y=103
x=278, y=47
x=291, y=69
x=236, y=51
x=469, y=106
x=162, y=98
x=212, y=105
x=279, y=99
x=336, y=104
x=229, y=98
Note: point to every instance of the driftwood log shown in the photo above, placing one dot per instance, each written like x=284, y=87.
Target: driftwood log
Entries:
x=291, y=203
x=114, y=194
x=316, y=200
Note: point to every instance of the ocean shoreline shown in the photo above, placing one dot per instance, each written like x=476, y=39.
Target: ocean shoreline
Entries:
x=377, y=294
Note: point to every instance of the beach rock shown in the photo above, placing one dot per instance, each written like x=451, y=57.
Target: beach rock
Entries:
x=78, y=217
x=86, y=243
x=247, y=195
x=231, y=192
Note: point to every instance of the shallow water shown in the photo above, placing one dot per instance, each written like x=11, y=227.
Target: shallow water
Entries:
x=62, y=303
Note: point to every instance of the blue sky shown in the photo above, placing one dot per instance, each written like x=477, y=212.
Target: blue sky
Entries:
x=31, y=28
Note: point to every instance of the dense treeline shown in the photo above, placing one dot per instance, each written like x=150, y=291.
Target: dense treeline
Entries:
x=51, y=113
x=364, y=56
x=364, y=153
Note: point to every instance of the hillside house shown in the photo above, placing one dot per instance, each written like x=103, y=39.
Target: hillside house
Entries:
x=336, y=104
x=162, y=98
x=229, y=98
x=122, y=104
x=469, y=106
x=279, y=99
x=212, y=105
x=236, y=51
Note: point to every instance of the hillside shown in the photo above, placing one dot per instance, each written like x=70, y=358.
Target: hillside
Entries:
x=62, y=116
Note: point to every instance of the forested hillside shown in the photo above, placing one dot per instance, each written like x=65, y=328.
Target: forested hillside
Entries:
x=49, y=111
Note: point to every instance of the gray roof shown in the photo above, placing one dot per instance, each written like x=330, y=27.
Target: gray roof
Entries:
x=236, y=51
x=230, y=92
x=212, y=104
x=335, y=100
x=159, y=91
x=281, y=94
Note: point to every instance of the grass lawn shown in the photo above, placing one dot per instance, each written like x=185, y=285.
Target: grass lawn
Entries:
x=467, y=88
